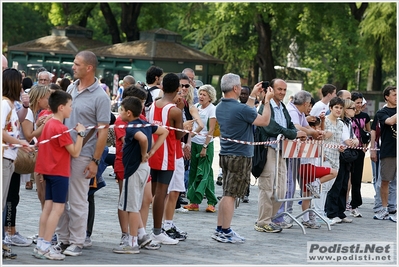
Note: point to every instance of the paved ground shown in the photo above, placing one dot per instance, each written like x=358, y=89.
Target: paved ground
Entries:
x=287, y=247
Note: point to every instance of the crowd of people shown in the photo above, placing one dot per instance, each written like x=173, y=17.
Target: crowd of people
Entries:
x=156, y=166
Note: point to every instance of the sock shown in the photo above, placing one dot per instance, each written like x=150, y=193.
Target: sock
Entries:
x=39, y=242
x=141, y=232
x=45, y=245
x=130, y=240
x=134, y=241
x=306, y=217
x=226, y=231
x=219, y=228
x=157, y=231
x=167, y=224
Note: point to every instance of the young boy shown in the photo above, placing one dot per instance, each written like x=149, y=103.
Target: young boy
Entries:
x=136, y=152
x=53, y=162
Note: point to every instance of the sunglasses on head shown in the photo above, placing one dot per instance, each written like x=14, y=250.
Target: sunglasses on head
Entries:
x=185, y=85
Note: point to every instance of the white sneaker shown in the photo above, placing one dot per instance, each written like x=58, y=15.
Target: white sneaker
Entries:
x=51, y=254
x=392, y=217
x=163, y=238
x=181, y=210
x=19, y=240
x=87, y=242
x=355, y=213
x=124, y=239
x=346, y=220
x=336, y=220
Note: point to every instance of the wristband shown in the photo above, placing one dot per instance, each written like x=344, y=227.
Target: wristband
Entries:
x=24, y=106
x=251, y=97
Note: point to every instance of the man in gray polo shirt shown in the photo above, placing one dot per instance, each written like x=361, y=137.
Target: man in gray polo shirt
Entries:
x=91, y=107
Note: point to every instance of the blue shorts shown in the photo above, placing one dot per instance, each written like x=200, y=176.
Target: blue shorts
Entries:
x=56, y=188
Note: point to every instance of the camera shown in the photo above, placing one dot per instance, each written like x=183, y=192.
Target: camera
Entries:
x=265, y=84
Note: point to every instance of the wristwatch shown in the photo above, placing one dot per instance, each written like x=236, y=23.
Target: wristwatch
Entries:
x=205, y=146
x=96, y=161
x=82, y=134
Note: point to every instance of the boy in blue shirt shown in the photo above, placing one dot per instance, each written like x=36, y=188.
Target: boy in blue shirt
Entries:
x=136, y=152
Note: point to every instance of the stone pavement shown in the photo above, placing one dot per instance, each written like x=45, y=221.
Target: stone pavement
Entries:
x=287, y=247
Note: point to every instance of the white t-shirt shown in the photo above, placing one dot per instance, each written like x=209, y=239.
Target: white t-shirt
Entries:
x=205, y=114
x=12, y=128
x=29, y=117
x=318, y=108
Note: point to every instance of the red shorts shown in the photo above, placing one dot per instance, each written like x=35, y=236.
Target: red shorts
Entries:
x=310, y=172
x=119, y=176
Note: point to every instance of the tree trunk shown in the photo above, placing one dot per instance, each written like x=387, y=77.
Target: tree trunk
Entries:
x=130, y=14
x=264, y=56
x=87, y=8
x=111, y=22
x=377, y=73
x=358, y=12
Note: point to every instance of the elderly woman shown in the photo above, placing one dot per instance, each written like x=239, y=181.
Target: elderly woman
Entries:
x=201, y=174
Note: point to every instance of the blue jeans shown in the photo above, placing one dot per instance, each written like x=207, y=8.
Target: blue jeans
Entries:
x=376, y=166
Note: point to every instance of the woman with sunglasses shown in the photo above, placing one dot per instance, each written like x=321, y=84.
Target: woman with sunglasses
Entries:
x=360, y=121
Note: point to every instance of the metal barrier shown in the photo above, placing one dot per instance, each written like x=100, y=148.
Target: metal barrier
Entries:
x=301, y=158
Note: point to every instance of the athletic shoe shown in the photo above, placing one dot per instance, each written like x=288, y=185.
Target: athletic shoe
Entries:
x=124, y=238
x=392, y=217
x=73, y=250
x=245, y=199
x=284, y=225
x=7, y=253
x=336, y=220
x=144, y=241
x=126, y=249
x=61, y=246
x=311, y=224
x=163, y=238
x=219, y=180
x=346, y=220
x=19, y=240
x=182, y=201
x=54, y=240
x=175, y=234
x=268, y=228
x=314, y=190
x=231, y=237
x=348, y=206
x=355, y=213
x=381, y=215
x=87, y=242
x=210, y=208
x=34, y=238
x=216, y=234
x=153, y=246
x=192, y=207
x=181, y=210
x=50, y=253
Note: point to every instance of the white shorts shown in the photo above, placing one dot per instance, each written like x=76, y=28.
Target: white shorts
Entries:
x=133, y=189
x=177, y=181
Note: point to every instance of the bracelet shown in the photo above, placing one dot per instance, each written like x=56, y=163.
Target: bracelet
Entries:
x=251, y=97
x=24, y=106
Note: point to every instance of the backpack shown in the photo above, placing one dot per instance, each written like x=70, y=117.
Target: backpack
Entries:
x=149, y=100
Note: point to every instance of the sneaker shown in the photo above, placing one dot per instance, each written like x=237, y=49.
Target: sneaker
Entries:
x=381, y=215
x=346, y=220
x=192, y=207
x=163, y=238
x=245, y=199
x=87, y=242
x=181, y=210
x=355, y=213
x=336, y=220
x=348, y=206
x=144, y=241
x=175, y=234
x=34, y=238
x=61, y=246
x=182, y=201
x=126, y=249
x=51, y=254
x=392, y=217
x=311, y=224
x=124, y=239
x=210, y=208
x=330, y=221
x=231, y=237
x=284, y=225
x=54, y=239
x=268, y=228
x=314, y=190
x=219, y=180
x=153, y=246
x=73, y=250
x=216, y=234
x=392, y=212
x=19, y=240
x=7, y=253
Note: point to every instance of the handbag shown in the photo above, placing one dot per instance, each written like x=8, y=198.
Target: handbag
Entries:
x=260, y=155
x=25, y=162
x=349, y=154
x=365, y=136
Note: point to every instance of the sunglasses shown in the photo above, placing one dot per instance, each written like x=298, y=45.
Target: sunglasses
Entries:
x=185, y=85
x=353, y=108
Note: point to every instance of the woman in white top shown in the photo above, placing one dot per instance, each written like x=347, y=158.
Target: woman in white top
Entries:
x=201, y=174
